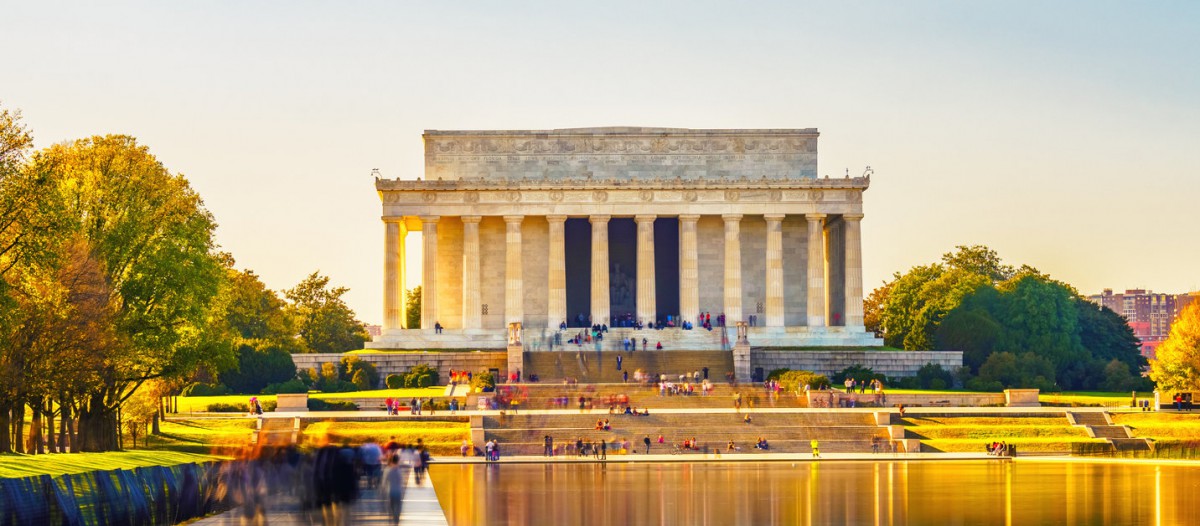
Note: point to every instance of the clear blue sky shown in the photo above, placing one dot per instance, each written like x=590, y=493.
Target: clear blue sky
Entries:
x=1064, y=135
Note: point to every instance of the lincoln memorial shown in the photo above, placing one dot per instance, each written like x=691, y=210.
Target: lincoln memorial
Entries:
x=626, y=226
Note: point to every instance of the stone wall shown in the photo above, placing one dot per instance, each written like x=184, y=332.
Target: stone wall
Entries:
x=754, y=267
x=450, y=272
x=710, y=263
x=399, y=363
x=795, y=271
x=492, y=246
x=890, y=363
x=535, y=270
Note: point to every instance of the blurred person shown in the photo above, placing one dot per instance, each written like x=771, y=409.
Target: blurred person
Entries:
x=392, y=487
x=371, y=456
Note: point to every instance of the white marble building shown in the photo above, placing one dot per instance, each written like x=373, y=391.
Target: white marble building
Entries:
x=614, y=225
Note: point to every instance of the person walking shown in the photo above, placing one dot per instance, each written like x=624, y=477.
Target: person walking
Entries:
x=603, y=449
x=392, y=486
x=618, y=362
x=647, y=442
x=816, y=448
x=549, y=447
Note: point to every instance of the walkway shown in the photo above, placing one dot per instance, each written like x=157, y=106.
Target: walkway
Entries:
x=421, y=508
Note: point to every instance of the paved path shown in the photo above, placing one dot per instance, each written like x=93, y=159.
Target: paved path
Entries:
x=421, y=508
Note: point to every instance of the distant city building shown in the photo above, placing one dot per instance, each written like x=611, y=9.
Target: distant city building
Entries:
x=1149, y=314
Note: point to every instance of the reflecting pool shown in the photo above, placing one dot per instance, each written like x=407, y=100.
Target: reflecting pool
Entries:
x=918, y=492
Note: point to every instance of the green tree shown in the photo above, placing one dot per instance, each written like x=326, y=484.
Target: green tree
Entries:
x=412, y=308
x=1176, y=366
x=978, y=259
x=151, y=238
x=323, y=321
x=258, y=368
x=873, y=306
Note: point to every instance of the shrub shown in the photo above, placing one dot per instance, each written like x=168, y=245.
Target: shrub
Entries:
x=483, y=382
x=360, y=380
x=795, y=381
x=316, y=404
x=351, y=365
x=293, y=386
x=421, y=375
x=228, y=408
x=269, y=405
x=930, y=374
x=257, y=369
x=858, y=372
x=776, y=373
x=200, y=389
x=394, y=381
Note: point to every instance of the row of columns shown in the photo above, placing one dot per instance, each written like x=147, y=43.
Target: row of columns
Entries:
x=689, y=301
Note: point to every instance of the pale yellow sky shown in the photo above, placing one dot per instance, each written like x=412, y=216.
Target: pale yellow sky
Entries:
x=1061, y=134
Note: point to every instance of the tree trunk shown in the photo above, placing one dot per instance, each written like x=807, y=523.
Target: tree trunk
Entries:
x=98, y=426
x=6, y=425
x=35, y=429
x=18, y=427
x=51, y=436
x=68, y=429
x=157, y=415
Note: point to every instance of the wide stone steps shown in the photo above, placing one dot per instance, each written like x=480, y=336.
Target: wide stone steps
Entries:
x=586, y=420
x=589, y=366
x=1112, y=432
x=1089, y=418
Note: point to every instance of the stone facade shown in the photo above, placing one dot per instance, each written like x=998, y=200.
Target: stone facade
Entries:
x=759, y=235
x=895, y=364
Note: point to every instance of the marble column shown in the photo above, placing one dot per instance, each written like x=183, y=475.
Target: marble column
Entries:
x=733, y=268
x=774, y=270
x=600, y=298
x=429, y=296
x=854, y=285
x=647, y=308
x=557, y=291
x=689, y=286
x=471, y=302
x=394, y=232
x=816, y=270
x=514, y=294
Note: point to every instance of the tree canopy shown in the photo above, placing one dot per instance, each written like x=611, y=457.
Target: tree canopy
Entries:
x=324, y=323
x=1176, y=366
x=975, y=303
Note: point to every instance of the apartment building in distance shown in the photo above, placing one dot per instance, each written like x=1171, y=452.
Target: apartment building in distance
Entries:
x=1149, y=314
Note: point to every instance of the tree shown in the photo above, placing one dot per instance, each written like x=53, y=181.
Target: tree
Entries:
x=324, y=322
x=258, y=368
x=412, y=308
x=151, y=239
x=981, y=260
x=873, y=309
x=1176, y=366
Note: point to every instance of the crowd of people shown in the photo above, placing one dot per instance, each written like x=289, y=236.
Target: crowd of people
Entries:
x=326, y=481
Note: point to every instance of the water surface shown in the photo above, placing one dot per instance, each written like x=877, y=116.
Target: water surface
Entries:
x=928, y=492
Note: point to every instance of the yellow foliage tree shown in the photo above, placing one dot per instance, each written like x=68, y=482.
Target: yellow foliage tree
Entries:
x=1176, y=366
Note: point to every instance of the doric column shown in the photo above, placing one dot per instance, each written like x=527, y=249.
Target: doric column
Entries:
x=514, y=293
x=471, y=302
x=854, y=285
x=647, y=310
x=816, y=270
x=774, y=270
x=394, y=231
x=429, y=235
x=557, y=291
x=733, y=268
x=600, y=303
x=689, y=286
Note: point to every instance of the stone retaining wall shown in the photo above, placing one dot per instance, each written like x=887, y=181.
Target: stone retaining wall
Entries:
x=400, y=363
x=891, y=363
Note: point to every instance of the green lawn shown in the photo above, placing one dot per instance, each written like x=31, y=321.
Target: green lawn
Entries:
x=440, y=437
x=12, y=466
x=196, y=404
x=1090, y=398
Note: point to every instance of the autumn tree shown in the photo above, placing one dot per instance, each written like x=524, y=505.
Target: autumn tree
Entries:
x=1176, y=366
x=412, y=308
x=151, y=239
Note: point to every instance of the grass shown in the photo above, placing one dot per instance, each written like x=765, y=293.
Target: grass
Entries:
x=440, y=437
x=202, y=436
x=1089, y=399
x=13, y=466
x=1160, y=426
x=969, y=434
x=198, y=404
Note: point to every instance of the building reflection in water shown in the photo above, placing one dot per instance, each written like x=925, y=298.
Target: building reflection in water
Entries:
x=879, y=493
